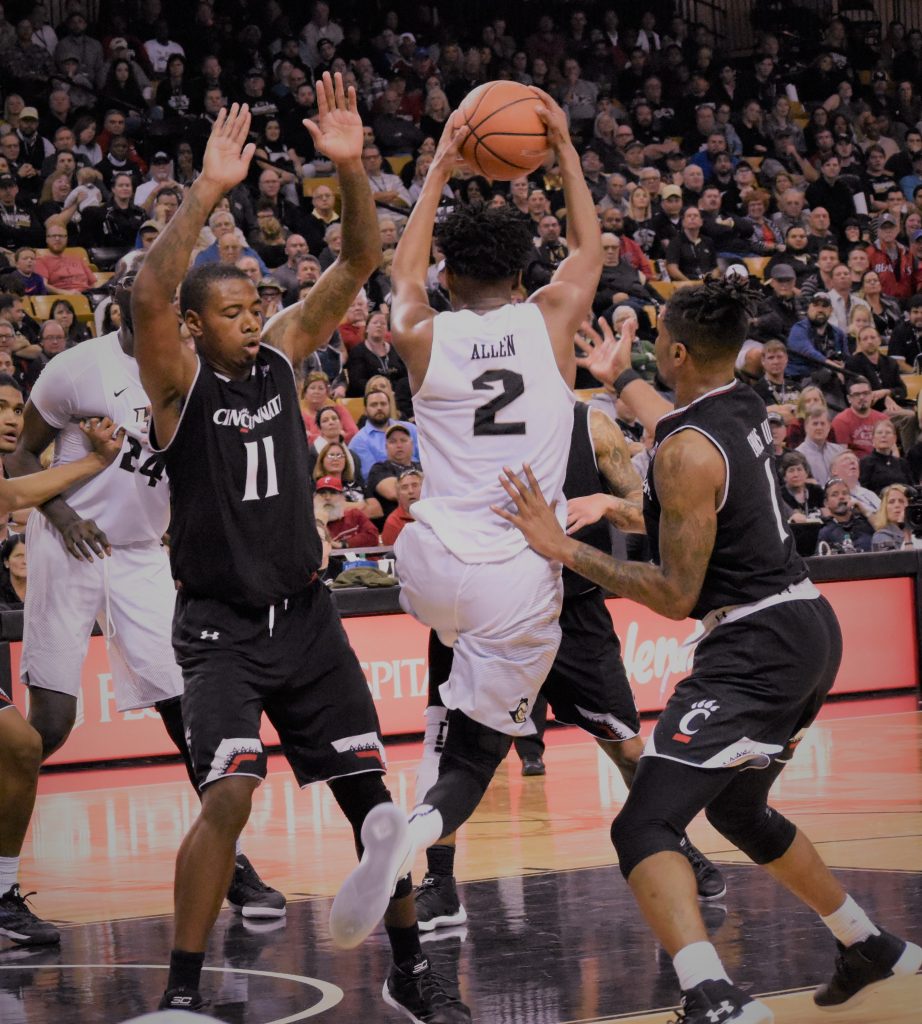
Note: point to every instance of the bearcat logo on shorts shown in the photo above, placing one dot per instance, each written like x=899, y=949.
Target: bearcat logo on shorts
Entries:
x=235, y=756
x=521, y=712
x=701, y=708
x=367, y=745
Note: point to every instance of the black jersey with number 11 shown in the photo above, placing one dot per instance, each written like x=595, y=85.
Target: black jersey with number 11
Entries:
x=242, y=528
x=754, y=554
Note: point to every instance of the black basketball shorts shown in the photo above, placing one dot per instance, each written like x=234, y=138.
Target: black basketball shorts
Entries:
x=756, y=685
x=293, y=662
x=5, y=700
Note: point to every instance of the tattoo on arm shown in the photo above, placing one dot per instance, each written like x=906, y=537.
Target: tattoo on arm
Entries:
x=615, y=464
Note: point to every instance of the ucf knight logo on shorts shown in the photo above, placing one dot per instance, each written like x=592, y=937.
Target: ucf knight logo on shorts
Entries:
x=521, y=712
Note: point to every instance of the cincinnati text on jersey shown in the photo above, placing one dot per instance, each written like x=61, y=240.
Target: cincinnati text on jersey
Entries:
x=241, y=418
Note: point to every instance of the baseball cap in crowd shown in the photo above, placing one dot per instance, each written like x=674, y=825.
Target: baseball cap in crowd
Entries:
x=916, y=236
x=407, y=37
x=118, y=43
x=7, y=180
x=670, y=192
x=820, y=299
x=149, y=225
x=161, y=157
x=782, y=272
x=887, y=218
x=28, y=114
x=775, y=418
x=256, y=73
x=397, y=426
x=879, y=76
x=329, y=483
x=633, y=144
x=269, y=284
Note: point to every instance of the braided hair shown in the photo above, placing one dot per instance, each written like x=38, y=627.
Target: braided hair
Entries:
x=712, y=319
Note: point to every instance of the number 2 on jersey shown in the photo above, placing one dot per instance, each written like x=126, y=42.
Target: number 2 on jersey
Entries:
x=513, y=385
x=250, y=491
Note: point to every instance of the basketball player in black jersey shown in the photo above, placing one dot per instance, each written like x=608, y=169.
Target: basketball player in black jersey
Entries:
x=254, y=628
x=587, y=685
x=770, y=653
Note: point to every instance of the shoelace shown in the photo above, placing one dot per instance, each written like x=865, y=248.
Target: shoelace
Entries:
x=695, y=857
x=250, y=879
x=19, y=898
x=428, y=882
x=432, y=985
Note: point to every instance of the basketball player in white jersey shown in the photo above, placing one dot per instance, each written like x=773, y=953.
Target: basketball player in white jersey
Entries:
x=96, y=555
x=491, y=387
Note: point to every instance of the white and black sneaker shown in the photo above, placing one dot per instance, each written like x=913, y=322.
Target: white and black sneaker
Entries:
x=719, y=1002
x=189, y=999
x=19, y=923
x=422, y=995
x=250, y=896
x=437, y=903
x=864, y=967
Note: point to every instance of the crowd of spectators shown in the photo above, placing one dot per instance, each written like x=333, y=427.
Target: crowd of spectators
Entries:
x=801, y=158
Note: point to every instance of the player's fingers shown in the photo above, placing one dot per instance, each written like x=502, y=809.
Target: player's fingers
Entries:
x=607, y=333
x=339, y=92
x=352, y=100
x=533, y=484
x=511, y=491
x=241, y=126
x=503, y=514
x=323, y=106
x=520, y=489
x=583, y=343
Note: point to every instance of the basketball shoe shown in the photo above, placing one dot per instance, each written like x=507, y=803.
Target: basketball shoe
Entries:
x=711, y=884
x=188, y=999
x=437, y=903
x=719, y=1002
x=250, y=895
x=422, y=995
x=863, y=967
x=17, y=922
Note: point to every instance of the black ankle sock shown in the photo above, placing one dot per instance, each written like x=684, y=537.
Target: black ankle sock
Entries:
x=185, y=969
x=404, y=942
x=440, y=860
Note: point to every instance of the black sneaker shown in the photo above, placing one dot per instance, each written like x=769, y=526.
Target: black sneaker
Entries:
x=711, y=884
x=422, y=995
x=863, y=967
x=249, y=894
x=437, y=903
x=533, y=766
x=719, y=1002
x=17, y=922
x=181, y=999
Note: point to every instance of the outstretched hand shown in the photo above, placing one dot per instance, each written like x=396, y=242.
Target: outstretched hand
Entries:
x=337, y=133
x=448, y=153
x=603, y=355
x=535, y=518
x=228, y=154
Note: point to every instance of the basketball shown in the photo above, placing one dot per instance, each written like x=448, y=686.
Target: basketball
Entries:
x=507, y=138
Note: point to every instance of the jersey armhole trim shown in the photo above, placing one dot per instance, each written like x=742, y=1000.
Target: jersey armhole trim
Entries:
x=182, y=411
x=595, y=458
x=717, y=445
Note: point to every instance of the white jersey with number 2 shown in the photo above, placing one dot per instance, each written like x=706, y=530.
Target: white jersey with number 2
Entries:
x=492, y=397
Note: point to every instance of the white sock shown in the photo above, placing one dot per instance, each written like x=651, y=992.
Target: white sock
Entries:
x=425, y=827
x=698, y=962
x=238, y=847
x=9, y=873
x=427, y=771
x=850, y=924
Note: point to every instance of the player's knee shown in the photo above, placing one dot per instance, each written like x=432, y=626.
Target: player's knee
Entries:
x=760, y=832
x=53, y=721
x=20, y=750
x=636, y=835
x=356, y=795
x=624, y=754
x=474, y=749
x=226, y=803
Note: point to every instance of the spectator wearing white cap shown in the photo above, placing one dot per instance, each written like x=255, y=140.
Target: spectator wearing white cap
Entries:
x=160, y=178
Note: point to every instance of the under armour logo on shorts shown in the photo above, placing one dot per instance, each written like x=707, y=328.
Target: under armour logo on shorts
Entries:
x=209, y=636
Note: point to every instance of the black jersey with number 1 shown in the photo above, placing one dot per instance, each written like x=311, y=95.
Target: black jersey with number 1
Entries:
x=242, y=528
x=754, y=555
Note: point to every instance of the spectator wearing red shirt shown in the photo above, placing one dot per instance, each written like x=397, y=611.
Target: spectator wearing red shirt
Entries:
x=891, y=260
x=348, y=527
x=855, y=426
x=409, y=487
x=63, y=273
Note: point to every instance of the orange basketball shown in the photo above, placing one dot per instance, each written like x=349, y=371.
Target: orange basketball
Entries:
x=507, y=137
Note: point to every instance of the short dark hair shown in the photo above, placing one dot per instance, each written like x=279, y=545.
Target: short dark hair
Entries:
x=6, y=381
x=793, y=459
x=860, y=381
x=486, y=244
x=193, y=292
x=916, y=301
x=711, y=320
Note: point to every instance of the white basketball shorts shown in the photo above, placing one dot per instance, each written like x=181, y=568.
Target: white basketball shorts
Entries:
x=501, y=618
x=130, y=594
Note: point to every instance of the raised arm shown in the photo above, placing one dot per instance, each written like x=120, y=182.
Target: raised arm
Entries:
x=608, y=359
x=37, y=488
x=308, y=324
x=411, y=314
x=167, y=366
x=567, y=300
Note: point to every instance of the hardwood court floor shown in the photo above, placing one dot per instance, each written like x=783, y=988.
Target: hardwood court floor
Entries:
x=553, y=936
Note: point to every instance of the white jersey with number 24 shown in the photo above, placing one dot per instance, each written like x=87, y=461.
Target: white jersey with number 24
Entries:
x=492, y=397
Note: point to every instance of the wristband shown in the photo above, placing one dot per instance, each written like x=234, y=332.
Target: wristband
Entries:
x=623, y=379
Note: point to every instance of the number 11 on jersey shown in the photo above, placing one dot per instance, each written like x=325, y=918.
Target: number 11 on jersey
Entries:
x=250, y=492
